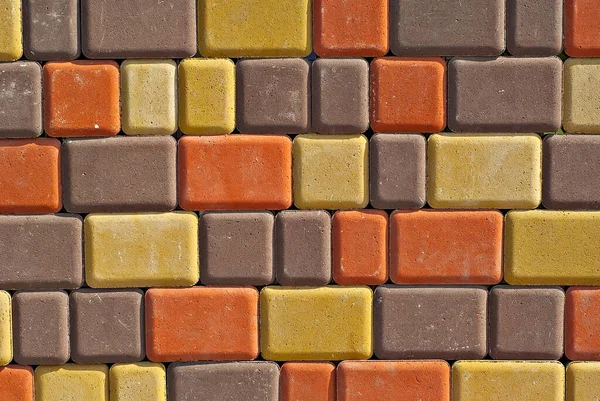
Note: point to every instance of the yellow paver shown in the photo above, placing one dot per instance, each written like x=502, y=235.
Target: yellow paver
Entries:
x=583, y=381
x=138, y=381
x=11, y=38
x=581, y=96
x=71, y=382
x=6, y=351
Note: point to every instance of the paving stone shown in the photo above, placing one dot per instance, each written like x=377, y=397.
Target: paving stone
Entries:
x=138, y=381
x=581, y=96
x=202, y=323
x=206, y=96
x=71, y=382
x=397, y=169
x=505, y=94
x=322, y=323
x=350, y=28
x=107, y=326
x=237, y=248
x=446, y=247
x=508, y=380
x=31, y=180
x=340, y=95
x=149, y=97
x=236, y=28
x=303, y=247
x=120, y=174
x=583, y=381
x=307, y=381
x=526, y=322
x=484, y=171
x=235, y=172
x=41, y=327
x=41, y=252
x=51, y=29
x=331, y=171
x=141, y=250
x=20, y=100
x=81, y=98
x=544, y=247
x=273, y=96
x=430, y=322
x=16, y=383
x=11, y=42
x=386, y=380
x=6, y=341
x=569, y=172
x=408, y=94
x=582, y=32
x=360, y=247
x=582, y=324
x=534, y=27
x=138, y=29
x=230, y=381
x=447, y=28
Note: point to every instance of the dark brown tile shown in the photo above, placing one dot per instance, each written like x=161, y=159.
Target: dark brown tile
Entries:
x=534, y=27
x=20, y=100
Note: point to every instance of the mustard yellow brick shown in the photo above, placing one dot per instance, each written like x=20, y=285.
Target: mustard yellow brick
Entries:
x=508, y=380
x=6, y=351
x=484, y=171
x=11, y=37
x=330, y=171
x=141, y=249
x=138, y=381
x=265, y=28
x=148, y=97
x=71, y=382
x=583, y=381
x=325, y=323
x=581, y=104
x=206, y=96
x=552, y=247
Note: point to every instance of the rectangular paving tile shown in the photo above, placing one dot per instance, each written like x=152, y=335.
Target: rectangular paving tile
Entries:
x=71, y=382
x=582, y=324
x=138, y=381
x=582, y=33
x=544, y=247
x=581, y=96
x=16, y=383
x=11, y=42
x=505, y=94
x=307, y=381
x=20, y=100
x=6, y=338
x=534, y=28
x=583, y=381
x=41, y=252
x=322, y=323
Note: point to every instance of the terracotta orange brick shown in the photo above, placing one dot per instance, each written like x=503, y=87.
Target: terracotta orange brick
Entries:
x=408, y=94
x=81, y=98
x=30, y=181
x=582, y=324
x=16, y=383
x=235, y=172
x=360, y=239
x=201, y=323
x=582, y=31
x=446, y=247
x=393, y=380
x=350, y=28
x=307, y=381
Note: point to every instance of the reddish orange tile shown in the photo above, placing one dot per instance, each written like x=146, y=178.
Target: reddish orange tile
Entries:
x=307, y=381
x=81, y=98
x=30, y=181
x=360, y=247
x=582, y=31
x=408, y=94
x=582, y=324
x=16, y=383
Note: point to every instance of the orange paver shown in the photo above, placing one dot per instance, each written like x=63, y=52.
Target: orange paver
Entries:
x=393, y=380
x=446, y=247
x=81, y=98
x=235, y=172
x=360, y=239
x=307, y=381
x=16, y=383
x=201, y=323
x=408, y=94
x=582, y=31
x=350, y=28
x=582, y=324
x=30, y=176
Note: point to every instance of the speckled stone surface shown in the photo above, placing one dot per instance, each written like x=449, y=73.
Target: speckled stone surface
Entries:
x=11, y=41
x=71, y=382
x=581, y=112
x=534, y=27
x=303, y=247
x=331, y=323
x=20, y=100
x=582, y=33
x=6, y=342
x=135, y=381
x=41, y=327
x=582, y=324
x=237, y=248
x=16, y=383
x=307, y=381
x=526, y=323
x=583, y=381
x=430, y=322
